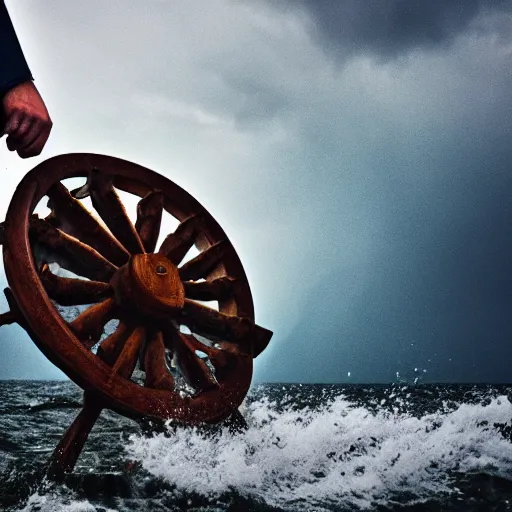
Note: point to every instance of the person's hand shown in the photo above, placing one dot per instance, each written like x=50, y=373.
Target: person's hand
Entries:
x=27, y=123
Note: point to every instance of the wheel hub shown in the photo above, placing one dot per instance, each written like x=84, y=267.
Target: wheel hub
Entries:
x=149, y=284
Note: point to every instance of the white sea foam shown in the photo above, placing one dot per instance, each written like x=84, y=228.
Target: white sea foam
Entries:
x=56, y=503
x=341, y=454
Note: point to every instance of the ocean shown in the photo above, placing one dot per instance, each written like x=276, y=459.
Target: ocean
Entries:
x=397, y=447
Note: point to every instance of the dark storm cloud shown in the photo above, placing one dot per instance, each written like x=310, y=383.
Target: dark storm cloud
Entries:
x=438, y=296
x=388, y=28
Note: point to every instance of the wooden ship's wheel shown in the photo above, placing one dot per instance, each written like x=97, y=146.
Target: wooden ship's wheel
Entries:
x=148, y=365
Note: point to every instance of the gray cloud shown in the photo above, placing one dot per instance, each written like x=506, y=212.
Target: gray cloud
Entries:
x=431, y=181
x=389, y=28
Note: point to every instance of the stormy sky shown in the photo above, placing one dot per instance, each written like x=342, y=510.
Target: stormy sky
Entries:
x=357, y=153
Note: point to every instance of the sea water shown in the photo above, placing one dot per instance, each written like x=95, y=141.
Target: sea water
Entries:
x=394, y=447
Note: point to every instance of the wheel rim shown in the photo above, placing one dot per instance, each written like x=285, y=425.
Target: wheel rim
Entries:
x=65, y=345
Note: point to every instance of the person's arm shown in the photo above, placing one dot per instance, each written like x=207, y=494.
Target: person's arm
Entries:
x=25, y=119
x=13, y=66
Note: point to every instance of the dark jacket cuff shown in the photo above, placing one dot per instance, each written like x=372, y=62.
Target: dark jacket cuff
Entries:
x=13, y=66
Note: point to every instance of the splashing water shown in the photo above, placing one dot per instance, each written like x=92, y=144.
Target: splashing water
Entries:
x=307, y=448
x=340, y=454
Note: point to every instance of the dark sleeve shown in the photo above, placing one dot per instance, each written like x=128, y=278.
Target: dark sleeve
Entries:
x=13, y=66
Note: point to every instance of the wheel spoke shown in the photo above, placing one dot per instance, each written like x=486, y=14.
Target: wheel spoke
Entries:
x=111, y=346
x=70, y=446
x=71, y=292
x=110, y=208
x=218, y=289
x=14, y=309
x=219, y=358
x=71, y=217
x=215, y=325
x=177, y=244
x=149, y=218
x=203, y=263
x=69, y=252
x=8, y=318
x=193, y=368
x=88, y=326
x=125, y=363
x=157, y=373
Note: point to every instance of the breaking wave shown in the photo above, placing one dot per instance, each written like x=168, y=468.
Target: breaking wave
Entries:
x=341, y=455
x=306, y=448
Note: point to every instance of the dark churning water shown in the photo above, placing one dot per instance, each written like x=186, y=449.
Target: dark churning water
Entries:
x=306, y=448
